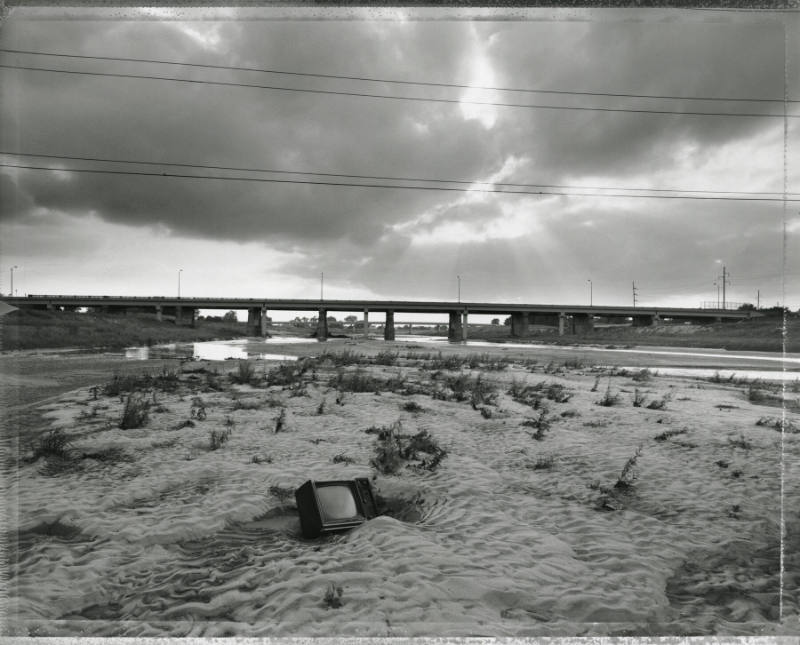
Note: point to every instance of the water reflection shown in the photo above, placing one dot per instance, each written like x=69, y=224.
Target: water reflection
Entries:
x=207, y=351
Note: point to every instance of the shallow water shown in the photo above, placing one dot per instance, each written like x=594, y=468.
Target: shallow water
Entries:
x=741, y=364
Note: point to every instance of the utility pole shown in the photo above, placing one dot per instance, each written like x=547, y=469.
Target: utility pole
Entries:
x=758, y=299
x=634, y=294
x=321, y=284
x=725, y=279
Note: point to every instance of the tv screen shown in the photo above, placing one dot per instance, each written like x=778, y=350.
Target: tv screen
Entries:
x=329, y=506
x=337, y=502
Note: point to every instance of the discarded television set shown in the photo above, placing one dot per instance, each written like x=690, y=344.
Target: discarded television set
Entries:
x=331, y=506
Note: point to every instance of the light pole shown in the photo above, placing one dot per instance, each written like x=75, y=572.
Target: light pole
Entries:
x=458, y=277
x=590, y=292
x=716, y=284
x=11, y=293
x=179, y=282
x=321, y=285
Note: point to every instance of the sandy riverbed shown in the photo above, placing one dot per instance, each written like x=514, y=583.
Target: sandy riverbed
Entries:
x=159, y=535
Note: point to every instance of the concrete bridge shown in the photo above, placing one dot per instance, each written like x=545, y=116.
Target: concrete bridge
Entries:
x=569, y=319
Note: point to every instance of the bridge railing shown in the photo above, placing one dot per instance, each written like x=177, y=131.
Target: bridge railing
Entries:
x=727, y=306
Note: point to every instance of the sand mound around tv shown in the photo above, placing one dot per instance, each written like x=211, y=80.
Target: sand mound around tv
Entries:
x=562, y=501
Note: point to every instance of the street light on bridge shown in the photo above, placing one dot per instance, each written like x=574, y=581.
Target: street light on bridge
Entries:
x=458, y=277
x=590, y=292
x=179, y=282
x=11, y=293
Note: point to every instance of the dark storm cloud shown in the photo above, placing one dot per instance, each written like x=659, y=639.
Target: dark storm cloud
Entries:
x=150, y=120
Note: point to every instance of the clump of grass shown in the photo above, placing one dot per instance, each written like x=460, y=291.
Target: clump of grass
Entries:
x=609, y=399
x=218, y=438
x=596, y=384
x=386, y=358
x=541, y=424
x=114, y=454
x=740, y=442
x=283, y=494
x=333, y=596
x=394, y=449
x=570, y=413
x=638, y=398
x=261, y=459
x=245, y=374
x=670, y=433
x=358, y=381
x=642, y=376
x=286, y=374
x=482, y=393
x=135, y=413
x=342, y=458
x=660, y=404
x=413, y=407
x=250, y=403
x=53, y=444
x=545, y=462
x=321, y=407
x=781, y=425
x=280, y=421
x=451, y=363
x=198, y=409
x=629, y=473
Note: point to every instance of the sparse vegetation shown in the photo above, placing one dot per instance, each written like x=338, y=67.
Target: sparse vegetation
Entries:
x=333, y=596
x=541, y=424
x=660, y=404
x=136, y=412
x=740, y=442
x=342, y=458
x=629, y=473
x=280, y=421
x=245, y=374
x=638, y=398
x=545, y=462
x=609, y=398
x=395, y=449
x=670, y=433
x=218, y=438
x=53, y=444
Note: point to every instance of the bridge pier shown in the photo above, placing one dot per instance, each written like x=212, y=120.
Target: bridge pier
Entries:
x=562, y=323
x=646, y=320
x=322, y=325
x=519, y=324
x=388, y=326
x=455, y=331
x=264, y=322
x=582, y=323
x=366, y=323
x=178, y=315
x=159, y=313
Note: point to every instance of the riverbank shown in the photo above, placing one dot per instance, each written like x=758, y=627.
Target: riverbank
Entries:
x=31, y=329
x=182, y=525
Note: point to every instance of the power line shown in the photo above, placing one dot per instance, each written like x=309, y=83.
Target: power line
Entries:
x=396, y=186
x=395, y=81
x=396, y=98
x=378, y=177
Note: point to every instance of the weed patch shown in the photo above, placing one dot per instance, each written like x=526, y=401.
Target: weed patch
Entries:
x=218, y=438
x=395, y=450
x=670, y=433
x=136, y=412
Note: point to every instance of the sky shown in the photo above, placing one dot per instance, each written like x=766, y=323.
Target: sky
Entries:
x=604, y=179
